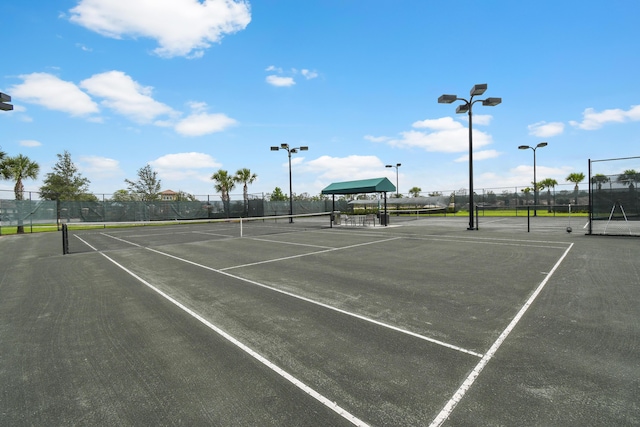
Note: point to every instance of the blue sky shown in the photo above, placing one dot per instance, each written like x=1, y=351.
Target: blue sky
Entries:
x=190, y=87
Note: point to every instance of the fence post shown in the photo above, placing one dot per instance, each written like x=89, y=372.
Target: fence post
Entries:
x=65, y=239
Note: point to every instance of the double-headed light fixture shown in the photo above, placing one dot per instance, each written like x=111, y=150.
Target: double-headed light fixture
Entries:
x=535, y=184
x=397, y=165
x=290, y=151
x=466, y=107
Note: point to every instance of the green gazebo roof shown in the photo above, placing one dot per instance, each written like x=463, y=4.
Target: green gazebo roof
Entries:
x=373, y=185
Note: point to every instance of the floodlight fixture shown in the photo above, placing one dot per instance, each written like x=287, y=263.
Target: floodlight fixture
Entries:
x=4, y=102
x=447, y=99
x=491, y=102
x=535, y=182
x=478, y=89
x=397, y=165
x=466, y=107
x=285, y=146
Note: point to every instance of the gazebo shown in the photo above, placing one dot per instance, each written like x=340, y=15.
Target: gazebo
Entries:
x=373, y=185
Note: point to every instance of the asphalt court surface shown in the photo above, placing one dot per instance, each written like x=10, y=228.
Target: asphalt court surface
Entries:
x=419, y=323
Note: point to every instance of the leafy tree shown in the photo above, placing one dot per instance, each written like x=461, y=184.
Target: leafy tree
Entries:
x=224, y=183
x=147, y=186
x=434, y=193
x=124, y=196
x=491, y=197
x=245, y=177
x=183, y=196
x=599, y=179
x=65, y=182
x=526, y=191
x=415, y=191
x=278, y=195
x=17, y=169
x=548, y=183
x=576, y=178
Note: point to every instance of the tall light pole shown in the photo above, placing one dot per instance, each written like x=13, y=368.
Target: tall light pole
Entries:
x=285, y=146
x=397, y=165
x=535, y=184
x=476, y=90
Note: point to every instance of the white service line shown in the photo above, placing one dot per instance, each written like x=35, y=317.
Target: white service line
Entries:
x=284, y=374
x=468, y=382
x=308, y=254
x=289, y=243
x=348, y=313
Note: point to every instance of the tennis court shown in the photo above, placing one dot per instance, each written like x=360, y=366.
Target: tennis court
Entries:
x=419, y=323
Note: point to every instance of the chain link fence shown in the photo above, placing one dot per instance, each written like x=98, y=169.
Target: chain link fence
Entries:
x=614, y=198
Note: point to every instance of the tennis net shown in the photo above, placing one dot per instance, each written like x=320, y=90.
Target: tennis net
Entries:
x=97, y=236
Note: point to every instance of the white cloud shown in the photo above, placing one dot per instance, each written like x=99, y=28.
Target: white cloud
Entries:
x=308, y=74
x=280, y=81
x=53, y=93
x=101, y=167
x=125, y=96
x=479, y=155
x=83, y=47
x=30, y=143
x=592, y=120
x=348, y=168
x=443, y=123
x=181, y=27
x=377, y=138
x=185, y=166
x=446, y=136
x=199, y=124
x=544, y=129
x=481, y=119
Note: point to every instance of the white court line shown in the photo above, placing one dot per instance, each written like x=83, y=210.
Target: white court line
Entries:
x=85, y=242
x=299, y=297
x=289, y=243
x=284, y=374
x=468, y=382
x=308, y=254
x=339, y=310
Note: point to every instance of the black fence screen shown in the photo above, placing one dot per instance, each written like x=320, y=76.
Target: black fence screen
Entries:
x=614, y=198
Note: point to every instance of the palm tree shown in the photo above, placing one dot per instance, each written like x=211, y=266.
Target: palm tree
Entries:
x=526, y=191
x=224, y=184
x=548, y=183
x=19, y=168
x=415, y=191
x=245, y=177
x=576, y=178
x=599, y=179
x=630, y=177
